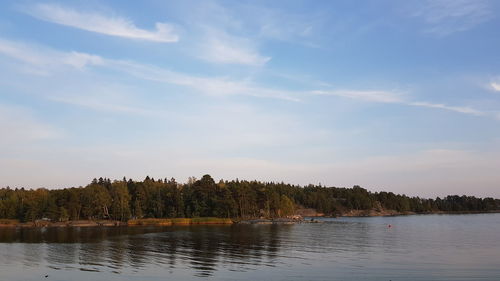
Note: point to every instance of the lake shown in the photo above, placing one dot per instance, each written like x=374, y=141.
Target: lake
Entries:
x=420, y=247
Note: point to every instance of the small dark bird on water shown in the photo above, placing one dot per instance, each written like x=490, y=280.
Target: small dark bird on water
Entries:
x=46, y=276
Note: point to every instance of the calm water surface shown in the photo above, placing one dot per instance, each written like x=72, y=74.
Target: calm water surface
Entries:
x=429, y=247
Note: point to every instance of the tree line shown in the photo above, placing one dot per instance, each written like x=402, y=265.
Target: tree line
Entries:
x=166, y=198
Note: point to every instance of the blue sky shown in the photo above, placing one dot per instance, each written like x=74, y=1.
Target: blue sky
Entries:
x=401, y=96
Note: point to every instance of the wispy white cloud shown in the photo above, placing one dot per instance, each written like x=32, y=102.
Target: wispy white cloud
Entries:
x=262, y=22
x=444, y=17
x=48, y=61
x=22, y=52
x=95, y=22
x=44, y=60
x=460, y=109
x=80, y=60
x=399, y=98
x=215, y=86
x=306, y=29
x=223, y=34
x=495, y=86
x=369, y=96
x=220, y=47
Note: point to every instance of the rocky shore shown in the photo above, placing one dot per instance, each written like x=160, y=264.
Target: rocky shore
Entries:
x=288, y=220
x=374, y=213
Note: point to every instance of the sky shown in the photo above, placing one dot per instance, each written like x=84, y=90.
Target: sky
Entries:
x=401, y=96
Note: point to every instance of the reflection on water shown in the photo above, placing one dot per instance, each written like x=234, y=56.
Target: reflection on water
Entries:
x=416, y=248
x=115, y=248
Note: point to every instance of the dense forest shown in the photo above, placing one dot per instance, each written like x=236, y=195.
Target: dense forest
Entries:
x=163, y=198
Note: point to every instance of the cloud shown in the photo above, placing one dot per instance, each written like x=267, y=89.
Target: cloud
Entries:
x=22, y=52
x=47, y=61
x=368, y=96
x=444, y=17
x=215, y=86
x=220, y=34
x=495, y=86
x=300, y=28
x=44, y=60
x=94, y=22
x=80, y=60
x=398, y=98
x=263, y=22
x=460, y=109
x=220, y=47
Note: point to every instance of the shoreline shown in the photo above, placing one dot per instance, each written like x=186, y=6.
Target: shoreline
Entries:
x=115, y=223
x=6, y=223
